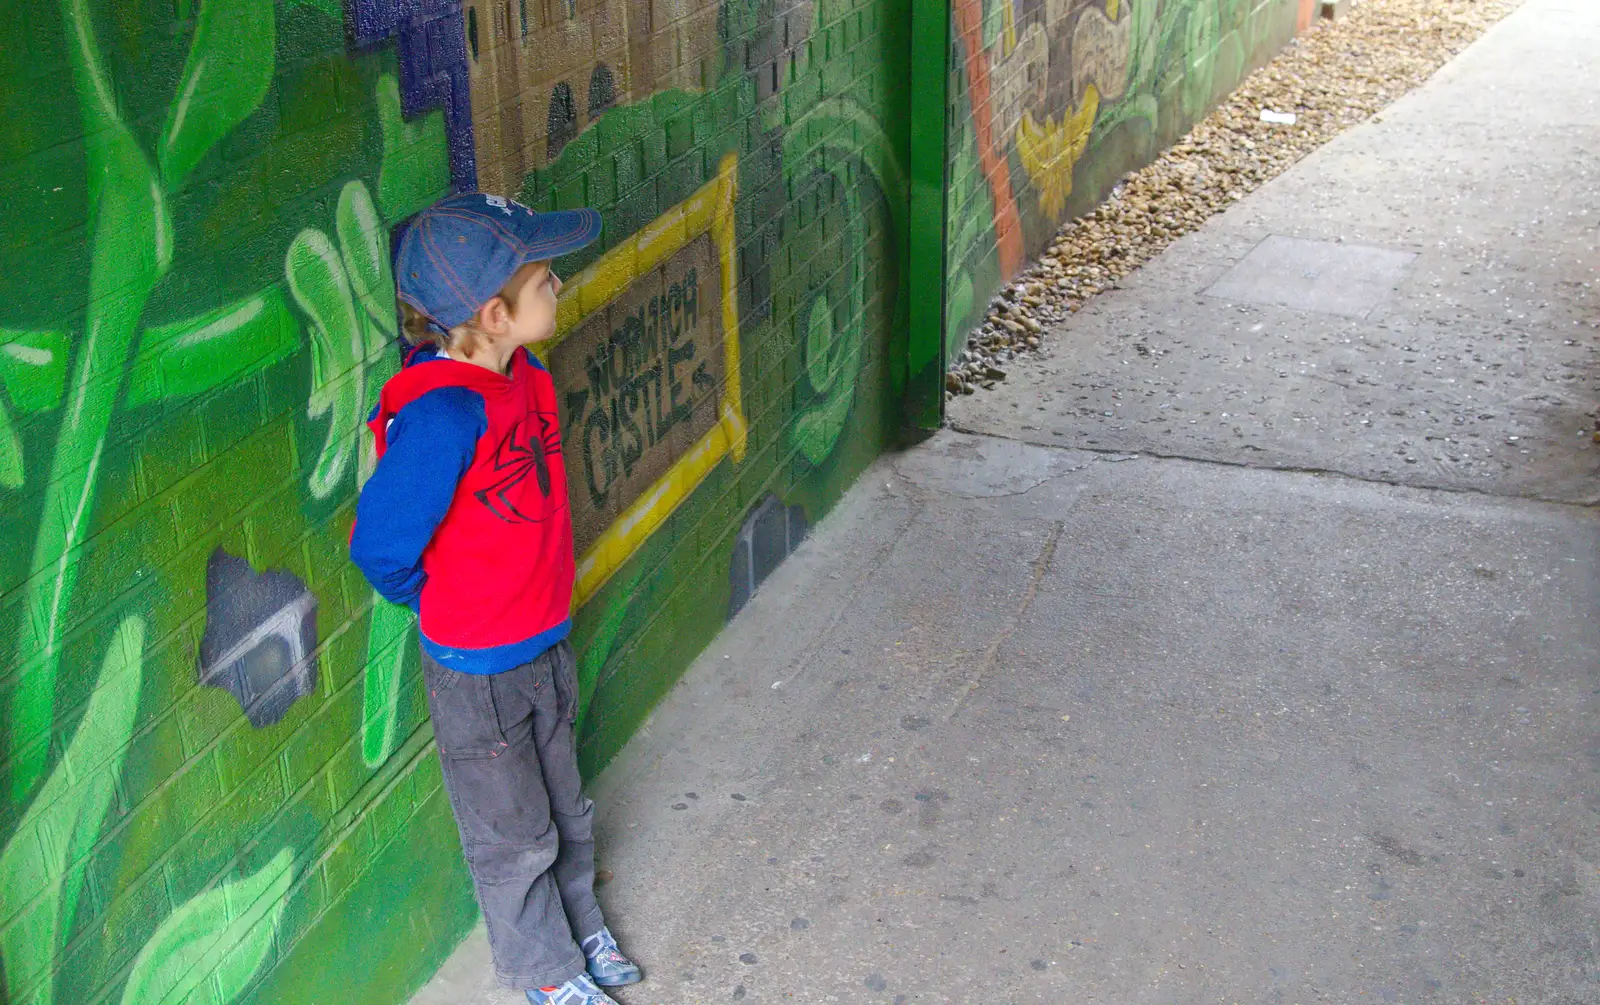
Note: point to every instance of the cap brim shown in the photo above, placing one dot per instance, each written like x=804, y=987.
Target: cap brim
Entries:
x=560, y=233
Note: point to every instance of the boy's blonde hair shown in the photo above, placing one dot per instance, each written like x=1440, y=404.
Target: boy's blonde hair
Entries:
x=419, y=329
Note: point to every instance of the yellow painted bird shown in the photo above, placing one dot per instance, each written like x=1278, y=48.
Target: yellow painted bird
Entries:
x=1050, y=151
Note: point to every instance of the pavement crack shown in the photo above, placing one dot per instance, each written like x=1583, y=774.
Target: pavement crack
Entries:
x=1108, y=453
x=991, y=656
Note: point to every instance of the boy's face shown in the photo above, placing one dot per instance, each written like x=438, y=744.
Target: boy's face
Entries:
x=533, y=288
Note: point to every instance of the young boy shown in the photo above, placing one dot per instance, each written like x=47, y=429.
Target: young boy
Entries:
x=465, y=520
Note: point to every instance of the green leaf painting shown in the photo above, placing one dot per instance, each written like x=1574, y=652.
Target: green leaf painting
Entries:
x=338, y=340
x=185, y=357
x=344, y=367
x=348, y=294
x=833, y=352
x=833, y=362
x=387, y=639
x=854, y=135
x=364, y=249
x=208, y=950
x=132, y=247
x=33, y=371
x=230, y=66
x=212, y=350
x=33, y=368
x=42, y=866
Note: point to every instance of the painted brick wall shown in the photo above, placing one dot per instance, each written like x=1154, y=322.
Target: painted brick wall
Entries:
x=1051, y=102
x=218, y=778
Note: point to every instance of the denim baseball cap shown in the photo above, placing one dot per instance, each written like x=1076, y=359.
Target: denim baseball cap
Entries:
x=458, y=253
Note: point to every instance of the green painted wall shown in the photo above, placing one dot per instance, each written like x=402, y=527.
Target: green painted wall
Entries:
x=218, y=779
x=1052, y=101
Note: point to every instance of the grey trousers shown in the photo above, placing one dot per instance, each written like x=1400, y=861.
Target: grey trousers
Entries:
x=511, y=772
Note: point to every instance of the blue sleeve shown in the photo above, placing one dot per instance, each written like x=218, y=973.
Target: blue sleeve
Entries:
x=430, y=446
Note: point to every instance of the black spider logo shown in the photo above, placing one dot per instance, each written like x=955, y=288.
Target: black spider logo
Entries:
x=525, y=449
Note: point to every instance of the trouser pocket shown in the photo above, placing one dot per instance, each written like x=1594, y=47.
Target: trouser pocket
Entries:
x=564, y=676
x=465, y=721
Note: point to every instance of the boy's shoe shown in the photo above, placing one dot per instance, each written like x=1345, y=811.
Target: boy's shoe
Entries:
x=607, y=965
x=578, y=991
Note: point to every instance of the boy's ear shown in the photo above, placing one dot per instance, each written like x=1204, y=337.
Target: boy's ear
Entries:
x=494, y=316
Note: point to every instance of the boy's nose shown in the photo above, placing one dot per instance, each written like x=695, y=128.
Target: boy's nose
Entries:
x=555, y=280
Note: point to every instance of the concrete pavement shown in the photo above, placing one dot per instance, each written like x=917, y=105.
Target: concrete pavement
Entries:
x=1023, y=722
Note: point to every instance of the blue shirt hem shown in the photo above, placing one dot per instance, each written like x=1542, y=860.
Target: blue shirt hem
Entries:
x=496, y=659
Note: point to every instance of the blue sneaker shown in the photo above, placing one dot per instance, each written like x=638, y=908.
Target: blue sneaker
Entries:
x=578, y=991
x=607, y=965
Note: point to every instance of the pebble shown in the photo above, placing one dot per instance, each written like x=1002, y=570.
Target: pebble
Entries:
x=1335, y=75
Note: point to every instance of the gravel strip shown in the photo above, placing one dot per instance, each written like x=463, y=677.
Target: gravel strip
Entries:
x=1334, y=76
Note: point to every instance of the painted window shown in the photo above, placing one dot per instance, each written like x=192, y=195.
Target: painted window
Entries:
x=602, y=90
x=562, y=123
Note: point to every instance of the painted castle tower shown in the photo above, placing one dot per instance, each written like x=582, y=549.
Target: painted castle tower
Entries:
x=542, y=71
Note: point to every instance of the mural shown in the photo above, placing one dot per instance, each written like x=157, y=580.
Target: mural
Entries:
x=218, y=775
x=1056, y=99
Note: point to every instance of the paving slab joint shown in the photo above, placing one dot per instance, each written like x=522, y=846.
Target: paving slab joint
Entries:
x=1123, y=455
x=1041, y=566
